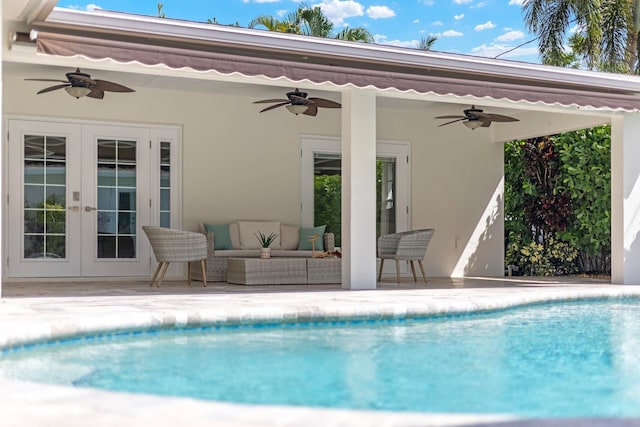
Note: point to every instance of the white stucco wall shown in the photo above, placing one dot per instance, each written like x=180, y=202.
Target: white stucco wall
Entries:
x=455, y=175
x=239, y=164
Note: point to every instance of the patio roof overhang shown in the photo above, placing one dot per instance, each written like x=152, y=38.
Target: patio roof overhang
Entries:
x=227, y=50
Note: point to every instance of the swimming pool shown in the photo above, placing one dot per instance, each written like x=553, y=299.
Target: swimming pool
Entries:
x=571, y=359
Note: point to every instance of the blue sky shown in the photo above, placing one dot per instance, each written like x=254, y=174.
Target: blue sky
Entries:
x=476, y=27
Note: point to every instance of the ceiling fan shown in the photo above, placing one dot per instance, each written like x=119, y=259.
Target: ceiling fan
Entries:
x=474, y=118
x=298, y=103
x=79, y=84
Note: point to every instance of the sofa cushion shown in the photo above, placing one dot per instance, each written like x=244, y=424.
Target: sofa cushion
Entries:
x=234, y=232
x=221, y=236
x=289, y=237
x=249, y=230
x=304, y=243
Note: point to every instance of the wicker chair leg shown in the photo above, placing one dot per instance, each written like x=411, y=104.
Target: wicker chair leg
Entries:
x=398, y=270
x=204, y=272
x=424, y=276
x=413, y=270
x=164, y=271
x=155, y=273
x=380, y=273
x=188, y=273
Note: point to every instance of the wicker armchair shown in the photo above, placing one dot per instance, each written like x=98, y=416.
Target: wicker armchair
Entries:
x=407, y=245
x=171, y=245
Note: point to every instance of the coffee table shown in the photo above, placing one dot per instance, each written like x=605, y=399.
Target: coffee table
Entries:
x=284, y=271
x=271, y=271
x=324, y=270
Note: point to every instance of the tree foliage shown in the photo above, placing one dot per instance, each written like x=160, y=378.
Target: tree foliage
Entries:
x=327, y=199
x=605, y=32
x=311, y=21
x=557, y=203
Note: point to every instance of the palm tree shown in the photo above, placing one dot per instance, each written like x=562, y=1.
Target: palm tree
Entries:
x=606, y=37
x=311, y=21
x=426, y=43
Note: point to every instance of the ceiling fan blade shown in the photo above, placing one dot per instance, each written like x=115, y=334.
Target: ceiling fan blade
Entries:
x=96, y=93
x=499, y=118
x=451, y=117
x=325, y=103
x=265, y=101
x=48, y=80
x=452, y=121
x=50, y=88
x=111, y=87
x=274, y=106
x=485, y=122
x=312, y=110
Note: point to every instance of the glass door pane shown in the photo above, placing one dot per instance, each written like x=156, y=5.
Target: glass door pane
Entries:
x=44, y=201
x=116, y=204
x=327, y=194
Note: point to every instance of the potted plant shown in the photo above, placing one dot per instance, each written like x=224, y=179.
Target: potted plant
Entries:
x=265, y=241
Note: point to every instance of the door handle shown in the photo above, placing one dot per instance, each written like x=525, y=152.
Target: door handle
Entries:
x=90, y=208
x=73, y=208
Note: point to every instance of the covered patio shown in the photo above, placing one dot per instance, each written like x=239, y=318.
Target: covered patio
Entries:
x=195, y=87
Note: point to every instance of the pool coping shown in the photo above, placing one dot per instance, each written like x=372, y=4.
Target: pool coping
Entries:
x=60, y=318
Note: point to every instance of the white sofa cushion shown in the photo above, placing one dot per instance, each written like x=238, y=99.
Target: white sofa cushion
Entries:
x=234, y=233
x=289, y=237
x=249, y=230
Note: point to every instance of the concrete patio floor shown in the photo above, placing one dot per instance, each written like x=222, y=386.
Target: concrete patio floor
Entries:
x=31, y=312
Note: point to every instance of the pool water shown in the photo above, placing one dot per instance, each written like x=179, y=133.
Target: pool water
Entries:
x=555, y=360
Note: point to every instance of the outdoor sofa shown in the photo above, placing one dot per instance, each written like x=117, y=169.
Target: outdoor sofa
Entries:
x=239, y=240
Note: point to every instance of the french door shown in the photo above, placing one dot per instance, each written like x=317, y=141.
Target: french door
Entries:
x=78, y=195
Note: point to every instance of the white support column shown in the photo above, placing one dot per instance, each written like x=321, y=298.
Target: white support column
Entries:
x=2, y=136
x=358, y=189
x=625, y=200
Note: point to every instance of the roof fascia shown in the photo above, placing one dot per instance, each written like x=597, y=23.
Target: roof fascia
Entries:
x=37, y=10
x=172, y=29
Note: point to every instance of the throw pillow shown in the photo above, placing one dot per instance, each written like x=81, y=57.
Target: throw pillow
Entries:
x=249, y=229
x=221, y=236
x=305, y=244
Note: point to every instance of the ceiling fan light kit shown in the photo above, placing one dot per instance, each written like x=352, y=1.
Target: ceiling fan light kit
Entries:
x=297, y=109
x=78, y=91
x=473, y=124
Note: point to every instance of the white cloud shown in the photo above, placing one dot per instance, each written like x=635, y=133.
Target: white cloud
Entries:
x=377, y=12
x=90, y=7
x=416, y=21
x=452, y=33
x=260, y=1
x=428, y=2
x=479, y=5
x=510, y=36
x=382, y=39
x=458, y=17
x=486, y=26
x=281, y=12
x=516, y=2
x=494, y=49
x=438, y=23
x=462, y=1
x=576, y=28
x=339, y=10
